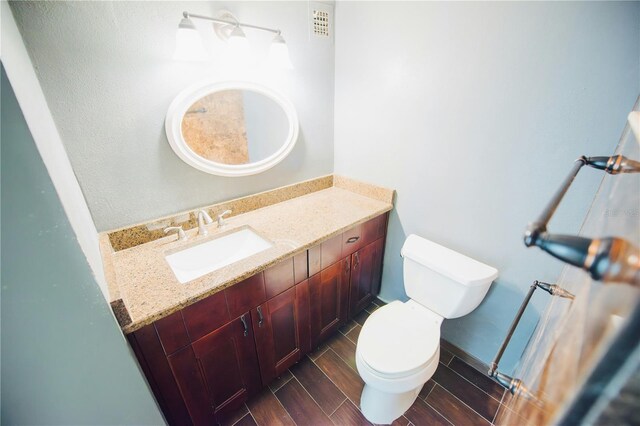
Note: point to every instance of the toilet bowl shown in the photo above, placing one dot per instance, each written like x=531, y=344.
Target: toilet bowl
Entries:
x=398, y=349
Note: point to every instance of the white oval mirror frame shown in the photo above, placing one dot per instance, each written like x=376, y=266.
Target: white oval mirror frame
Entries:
x=186, y=98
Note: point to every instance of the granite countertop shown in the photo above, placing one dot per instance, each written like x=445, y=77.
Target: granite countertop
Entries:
x=143, y=280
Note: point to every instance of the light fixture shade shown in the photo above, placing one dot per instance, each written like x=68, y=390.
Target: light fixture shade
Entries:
x=279, y=53
x=238, y=40
x=238, y=47
x=189, y=45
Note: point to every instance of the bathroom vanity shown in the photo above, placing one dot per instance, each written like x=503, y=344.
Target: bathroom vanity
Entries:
x=207, y=345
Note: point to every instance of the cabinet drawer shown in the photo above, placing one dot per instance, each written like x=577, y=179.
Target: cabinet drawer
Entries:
x=279, y=278
x=300, y=267
x=206, y=315
x=360, y=235
x=245, y=295
x=172, y=332
x=374, y=229
x=352, y=240
x=315, y=253
x=331, y=251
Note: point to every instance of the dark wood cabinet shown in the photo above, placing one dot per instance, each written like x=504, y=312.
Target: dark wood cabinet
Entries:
x=281, y=327
x=207, y=359
x=366, y=274
x=229, y=366
x=349, y=276
x=329, y=293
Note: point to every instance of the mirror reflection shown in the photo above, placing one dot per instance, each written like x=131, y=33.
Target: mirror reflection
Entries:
x=235, y=127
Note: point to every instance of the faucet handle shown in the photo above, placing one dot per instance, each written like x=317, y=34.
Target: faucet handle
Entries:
x=181, y=235
x=205, y=217
x=221, y=216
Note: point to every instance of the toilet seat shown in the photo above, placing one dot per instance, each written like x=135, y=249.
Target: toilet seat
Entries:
x=400, y=339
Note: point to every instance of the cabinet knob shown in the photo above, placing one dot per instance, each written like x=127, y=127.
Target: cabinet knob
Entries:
x=346, y=266
x=356, y=259
x=245, y=325
x=352, y=240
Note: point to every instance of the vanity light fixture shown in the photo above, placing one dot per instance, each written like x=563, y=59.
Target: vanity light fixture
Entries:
x=238, y=46
x=279, y=53
x=189, y=44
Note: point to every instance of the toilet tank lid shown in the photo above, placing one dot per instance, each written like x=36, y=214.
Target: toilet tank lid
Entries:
x=447, y=262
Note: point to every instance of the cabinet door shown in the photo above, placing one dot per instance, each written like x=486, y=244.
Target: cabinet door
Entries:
x=329, y=295
x=229, y=365
x=366, y=273
x=281, y=332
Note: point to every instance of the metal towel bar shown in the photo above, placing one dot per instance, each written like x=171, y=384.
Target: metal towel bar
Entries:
x=609, y=259
x=513, y=385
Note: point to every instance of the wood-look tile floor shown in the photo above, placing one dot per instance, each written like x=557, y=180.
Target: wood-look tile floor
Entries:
x=324, y=389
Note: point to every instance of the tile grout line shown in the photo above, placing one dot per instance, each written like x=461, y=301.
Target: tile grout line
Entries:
x=355, y=343
x=451, y=359
x=348, y=338
x=318, y=355
x=280, y=387
x=338, y=387
x=252, y=416
x=280, y=403
x=348, y=331
x=442, y=415
x=429, y=393
x=481, y=371
x=245, y=415
x=344, y=360
x=499, y=406
x=473, y=384
x=314, y=400
x=341, y=404
x=434, y=409
x=464, y=403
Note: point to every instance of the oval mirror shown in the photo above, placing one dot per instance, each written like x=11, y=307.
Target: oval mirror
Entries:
x=231, y=128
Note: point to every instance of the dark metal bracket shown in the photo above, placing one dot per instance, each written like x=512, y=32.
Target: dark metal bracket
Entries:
x=609, y=259
x=513, y=385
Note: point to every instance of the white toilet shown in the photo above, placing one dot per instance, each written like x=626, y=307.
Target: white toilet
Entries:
x=399, y=346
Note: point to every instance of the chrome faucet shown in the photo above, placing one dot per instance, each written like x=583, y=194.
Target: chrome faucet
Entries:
x=181, y=235
x=203, y=219
x=221, y=216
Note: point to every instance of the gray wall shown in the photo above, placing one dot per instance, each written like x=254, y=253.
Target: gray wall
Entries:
x=64, y=359
x=107, y=73
x=474, y=112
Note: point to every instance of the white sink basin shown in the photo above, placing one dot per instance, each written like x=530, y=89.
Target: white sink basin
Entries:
x=196, y=261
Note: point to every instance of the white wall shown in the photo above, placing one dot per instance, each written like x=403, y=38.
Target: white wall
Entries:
x=474, y=112
x=107, y=73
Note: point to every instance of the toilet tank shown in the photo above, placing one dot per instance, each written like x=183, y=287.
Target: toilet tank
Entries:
x=445, y=281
